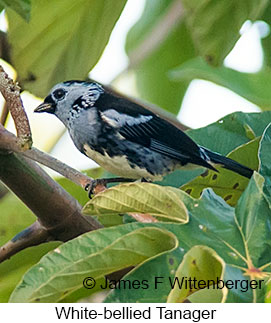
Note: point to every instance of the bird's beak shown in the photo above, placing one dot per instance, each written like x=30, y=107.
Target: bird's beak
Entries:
x=44, y=107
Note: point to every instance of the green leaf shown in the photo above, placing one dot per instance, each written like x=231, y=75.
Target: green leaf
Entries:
x=227, y=184
x=93, y=254
x=252, y=86
x=264, y=153
x=268, y=293
x=156, y=273
x=207, y=296
x=266, y=41
x=241, y=236
x=200, y=263
x=231, y=131
x=22, y=7
x=62, y=41
x=150, y=198
x=151, y=71
x=264, y=157
x=253, y=219
x=228, y=231
x=208, y=19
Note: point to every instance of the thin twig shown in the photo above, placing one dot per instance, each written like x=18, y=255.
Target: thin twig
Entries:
x=32, y=236
x=11, y=93
x=8, y=141
x=58, y=166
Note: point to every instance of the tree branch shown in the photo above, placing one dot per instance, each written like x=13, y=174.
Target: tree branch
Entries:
x=4, y=114
x=10, y=142
x=58, y=212
x=11, y=93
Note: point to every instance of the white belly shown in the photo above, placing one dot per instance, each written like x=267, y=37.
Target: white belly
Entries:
x=118, y=165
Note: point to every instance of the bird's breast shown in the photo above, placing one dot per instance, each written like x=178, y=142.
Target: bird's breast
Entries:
x=119, y=165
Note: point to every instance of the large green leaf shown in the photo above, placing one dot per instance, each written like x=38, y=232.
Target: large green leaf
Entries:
x=93, y=254
x=152, y=79
x=62, y=41
x=156, y=272
x=159, y=201
x=252, y=86
x=209, y=19
x=240, y=237
x=227, y=184
x=22, y=7
x=231, y=131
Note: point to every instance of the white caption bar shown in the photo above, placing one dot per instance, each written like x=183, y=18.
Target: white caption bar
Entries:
x=134, y=312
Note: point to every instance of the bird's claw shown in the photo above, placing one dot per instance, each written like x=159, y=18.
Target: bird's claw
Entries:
x=99, y=185
x=96, y=186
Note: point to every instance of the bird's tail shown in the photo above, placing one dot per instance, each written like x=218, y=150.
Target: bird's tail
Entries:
x=228, y=163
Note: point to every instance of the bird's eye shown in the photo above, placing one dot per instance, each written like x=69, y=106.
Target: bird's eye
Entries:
x=59, y=94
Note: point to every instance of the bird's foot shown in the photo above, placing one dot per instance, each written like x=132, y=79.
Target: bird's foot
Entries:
x=145, y=180
x=100, y=184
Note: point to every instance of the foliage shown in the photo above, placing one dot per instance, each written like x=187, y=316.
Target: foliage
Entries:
x=44, y=50
x=206, y=226
x=237, y=239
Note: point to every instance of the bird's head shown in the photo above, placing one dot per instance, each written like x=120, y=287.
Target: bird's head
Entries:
x=70, y=96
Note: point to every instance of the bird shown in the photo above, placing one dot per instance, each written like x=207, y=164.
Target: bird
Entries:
x=125, y=137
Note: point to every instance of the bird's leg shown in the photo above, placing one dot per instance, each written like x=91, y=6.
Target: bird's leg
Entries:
x=101, y=183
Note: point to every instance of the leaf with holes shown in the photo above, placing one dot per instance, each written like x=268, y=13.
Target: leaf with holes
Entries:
x=94, y=254
x=156, y=200
x=231, y=131
x=60, y=42
x=227, y=184
x=240, y=236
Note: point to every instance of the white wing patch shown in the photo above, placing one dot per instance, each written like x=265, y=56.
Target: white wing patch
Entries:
x=117, y=120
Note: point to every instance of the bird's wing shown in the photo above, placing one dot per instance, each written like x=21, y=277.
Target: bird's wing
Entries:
x=156, y=134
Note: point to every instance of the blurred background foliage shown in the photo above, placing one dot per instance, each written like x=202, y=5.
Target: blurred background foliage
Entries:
x=170, y=44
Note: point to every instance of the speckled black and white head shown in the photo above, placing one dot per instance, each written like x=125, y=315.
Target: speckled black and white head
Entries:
x=67, y=99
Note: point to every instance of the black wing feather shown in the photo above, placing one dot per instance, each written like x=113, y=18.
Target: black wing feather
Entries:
x=156, y=134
